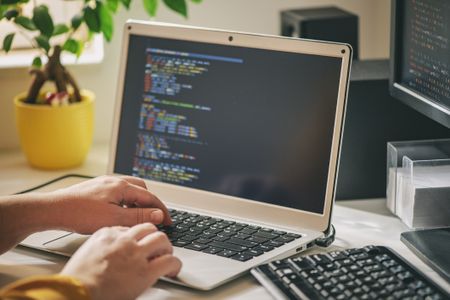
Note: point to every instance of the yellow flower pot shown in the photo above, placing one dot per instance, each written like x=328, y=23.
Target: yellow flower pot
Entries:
x=55, y=137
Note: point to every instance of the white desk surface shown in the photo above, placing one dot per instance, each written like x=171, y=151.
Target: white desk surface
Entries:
x=357, y=223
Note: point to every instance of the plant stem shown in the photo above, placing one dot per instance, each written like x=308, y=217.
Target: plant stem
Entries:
x=54, y=71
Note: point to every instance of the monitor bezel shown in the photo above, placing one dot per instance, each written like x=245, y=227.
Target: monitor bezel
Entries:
x=418, y=102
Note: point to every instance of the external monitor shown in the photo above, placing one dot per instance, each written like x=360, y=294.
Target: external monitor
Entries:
x=420, y=56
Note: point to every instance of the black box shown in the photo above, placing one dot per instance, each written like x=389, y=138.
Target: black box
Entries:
x=323, y=23
x=373, y=118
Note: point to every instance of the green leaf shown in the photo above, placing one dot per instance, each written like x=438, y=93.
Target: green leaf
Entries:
x=37, y=62
x=151, y=6
x=71, y=45
x=11, y=13
x=25, y=22
x=197, y=1
x=178, y=6
x=42, y=41
x=76, y=21
x=112, y=5
x=60, y=29
x=7, y=42
x=80, y=48
x=90, y=36
x=2, y=11
x=106, y=22
x=126, y=3
x=92, y=19
x=43, y=20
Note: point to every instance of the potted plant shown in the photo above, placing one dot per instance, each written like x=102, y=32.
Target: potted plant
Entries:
x=56, y=125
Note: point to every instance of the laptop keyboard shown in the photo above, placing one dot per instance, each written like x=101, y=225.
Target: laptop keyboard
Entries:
x=221, y=237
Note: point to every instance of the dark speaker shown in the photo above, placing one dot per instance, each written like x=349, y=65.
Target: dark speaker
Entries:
x=322, y=23
x=372, y=119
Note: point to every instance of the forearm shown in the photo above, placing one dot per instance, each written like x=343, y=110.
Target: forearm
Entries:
x=22, y=215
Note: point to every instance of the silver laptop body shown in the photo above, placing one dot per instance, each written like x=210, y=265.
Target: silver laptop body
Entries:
x=189, y=91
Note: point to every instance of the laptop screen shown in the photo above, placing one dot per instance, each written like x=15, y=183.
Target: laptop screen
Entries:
x=246, y=122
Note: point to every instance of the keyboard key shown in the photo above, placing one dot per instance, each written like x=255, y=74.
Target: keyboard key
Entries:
x=241, y=236
x=226, y=253
x=321, y=259
x=256, y=239
x=244, y=243
x=248, y=231
x=220, y=238
x=242, y=257
x=212, y=250
x=279, y=232
x=202, y=240
x=188, y=238
x=220, y=225
x=213, y=230
x=228, y=232
x=263, y=248
x=206, y=235
x=274, y=244
x=303, y=263
x=293, y=235
x=228, y=222
x=253, y=227
x=180, y=243
x=265, y=234
x=196, y=246
x=227, y=246
x=254, y=252
x=284, y=239
x=236, y=227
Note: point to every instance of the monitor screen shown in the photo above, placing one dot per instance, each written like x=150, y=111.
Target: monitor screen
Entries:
x=252, y=123
x=420, y=56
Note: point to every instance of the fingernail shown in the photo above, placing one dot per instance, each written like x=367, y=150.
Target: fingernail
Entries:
x=157, y=216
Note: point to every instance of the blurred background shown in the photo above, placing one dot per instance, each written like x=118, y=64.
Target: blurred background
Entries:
x=258, y=16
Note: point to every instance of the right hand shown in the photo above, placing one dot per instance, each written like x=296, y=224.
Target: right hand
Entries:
x=92, y=204
x=121, y=262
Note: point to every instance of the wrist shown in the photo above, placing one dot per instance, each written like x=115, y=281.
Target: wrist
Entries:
x=36, y=212
x=22, y=215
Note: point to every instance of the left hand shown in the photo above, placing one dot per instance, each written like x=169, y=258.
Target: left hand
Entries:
x=108, y=201
x=120, y=262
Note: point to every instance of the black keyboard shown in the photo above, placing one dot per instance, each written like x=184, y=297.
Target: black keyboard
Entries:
x=221, y=237
x=372, y=272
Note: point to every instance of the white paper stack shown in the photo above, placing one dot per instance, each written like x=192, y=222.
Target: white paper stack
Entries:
x=418, y=187
x=423, y=196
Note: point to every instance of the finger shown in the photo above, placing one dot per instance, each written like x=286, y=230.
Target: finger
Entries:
x=155, y=244
x=165, y=265
x=141, y=230
x=120, y=228
x=137, y=195
x=137, y=215
x=134, y=180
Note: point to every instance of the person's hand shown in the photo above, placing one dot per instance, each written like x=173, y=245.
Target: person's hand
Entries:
x=108, y=201
x=120, y=263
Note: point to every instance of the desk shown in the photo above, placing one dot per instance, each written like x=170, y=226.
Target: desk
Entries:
x=357, y=223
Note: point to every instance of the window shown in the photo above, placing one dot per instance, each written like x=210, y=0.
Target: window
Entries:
x=23, y=53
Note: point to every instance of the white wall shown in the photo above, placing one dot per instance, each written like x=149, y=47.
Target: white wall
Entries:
x=261, y=16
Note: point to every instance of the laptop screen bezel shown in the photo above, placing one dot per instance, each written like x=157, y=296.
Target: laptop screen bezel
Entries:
x=293, y=217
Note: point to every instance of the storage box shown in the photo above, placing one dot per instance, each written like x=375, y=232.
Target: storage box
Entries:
x=418, y=182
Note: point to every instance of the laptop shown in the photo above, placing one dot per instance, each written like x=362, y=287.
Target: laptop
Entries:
x=239, y=134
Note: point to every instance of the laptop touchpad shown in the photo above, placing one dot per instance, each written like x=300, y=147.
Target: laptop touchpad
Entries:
x=66, y=244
